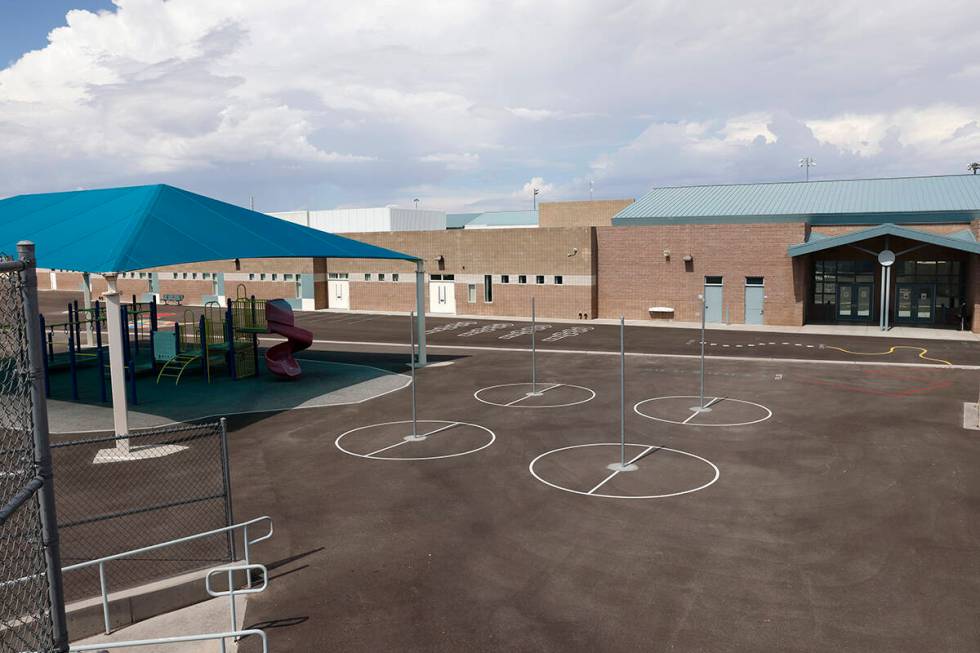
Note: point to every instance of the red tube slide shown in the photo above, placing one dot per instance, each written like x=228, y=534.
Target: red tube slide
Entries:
x=279, y=358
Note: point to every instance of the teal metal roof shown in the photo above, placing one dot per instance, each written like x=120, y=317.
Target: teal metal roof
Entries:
x=123, y=229
x=952, y=198
x=961, y=240
x=492, y=219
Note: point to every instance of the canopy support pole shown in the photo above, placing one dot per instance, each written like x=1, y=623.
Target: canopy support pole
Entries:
x=420, y=310
x=117, y=367
x=87, y=299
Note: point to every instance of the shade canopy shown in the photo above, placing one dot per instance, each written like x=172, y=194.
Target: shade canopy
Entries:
x=138, y=227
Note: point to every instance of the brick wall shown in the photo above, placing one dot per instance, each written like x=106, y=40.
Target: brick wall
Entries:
x=837, y=230
x=586, y=213
x=634, y=275
x=471, y=254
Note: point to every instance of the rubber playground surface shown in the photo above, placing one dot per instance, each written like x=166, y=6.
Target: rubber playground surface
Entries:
x=816, y=507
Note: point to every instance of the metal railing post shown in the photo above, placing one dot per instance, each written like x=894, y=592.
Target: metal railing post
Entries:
x=411, y=361
x=104, y=587
x=226, y=470
x=42, y=450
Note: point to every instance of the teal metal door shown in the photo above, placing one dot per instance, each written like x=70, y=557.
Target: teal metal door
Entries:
x=915, y=303
x=714, y=300
x=854, y=301
x=755, y=297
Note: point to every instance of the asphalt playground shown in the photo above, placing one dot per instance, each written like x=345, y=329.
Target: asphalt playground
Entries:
x=817, y=506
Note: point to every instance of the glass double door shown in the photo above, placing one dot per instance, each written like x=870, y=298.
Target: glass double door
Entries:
x=854, y=301
x=915, y=302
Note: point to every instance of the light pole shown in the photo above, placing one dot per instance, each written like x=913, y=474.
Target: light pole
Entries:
x=534, y=199
x=416, y=200
x=806, y=163
x=973, y=167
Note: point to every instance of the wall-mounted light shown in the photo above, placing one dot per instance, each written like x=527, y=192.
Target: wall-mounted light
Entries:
x=440, y=259
x=688, y=258
x=666, y=254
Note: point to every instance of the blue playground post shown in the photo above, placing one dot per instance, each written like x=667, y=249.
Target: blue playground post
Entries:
x=204, y=347
x=44, y=357
x=153, y=329
x=230, y=341
x=72, y=370
x=99, y=353
x=127, y=354
x=255, y=336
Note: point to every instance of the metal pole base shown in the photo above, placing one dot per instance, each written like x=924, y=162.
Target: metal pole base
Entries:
x=418, y=437
x=700, y=409
x=620, y=467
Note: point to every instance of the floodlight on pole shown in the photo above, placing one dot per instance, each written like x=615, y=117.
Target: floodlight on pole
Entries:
x=806, y=163
x=973, y=167
x=534, y=199
x=416, y=200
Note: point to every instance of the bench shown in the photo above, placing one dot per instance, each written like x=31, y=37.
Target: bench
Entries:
x=661, y=313
x=171, y=298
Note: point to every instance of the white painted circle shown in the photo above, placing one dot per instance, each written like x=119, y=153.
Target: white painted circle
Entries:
x=690, y=420
x=717, y=472
x=401, y=440
x=520, y=396
x=886, y=257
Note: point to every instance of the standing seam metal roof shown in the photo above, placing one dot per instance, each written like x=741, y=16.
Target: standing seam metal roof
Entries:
x=959, y=193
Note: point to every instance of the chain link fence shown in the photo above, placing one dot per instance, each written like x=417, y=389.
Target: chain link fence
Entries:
x=26, y=622
x=121, y=493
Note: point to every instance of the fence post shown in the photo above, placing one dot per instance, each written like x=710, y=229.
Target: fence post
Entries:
x=226, y=472
x=42, y=451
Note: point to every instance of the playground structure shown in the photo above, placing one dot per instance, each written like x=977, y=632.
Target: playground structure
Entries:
x=136, y=335
x=220, y=337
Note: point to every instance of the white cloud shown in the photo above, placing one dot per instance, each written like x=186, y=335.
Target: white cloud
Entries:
x=459, y=161
x=336, y=102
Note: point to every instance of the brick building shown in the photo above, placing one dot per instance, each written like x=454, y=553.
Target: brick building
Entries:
x=781, y=254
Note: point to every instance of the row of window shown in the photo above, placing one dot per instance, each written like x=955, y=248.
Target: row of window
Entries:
x=539, y=279
x=273, y=276
x=381, y=276
x=720, y=281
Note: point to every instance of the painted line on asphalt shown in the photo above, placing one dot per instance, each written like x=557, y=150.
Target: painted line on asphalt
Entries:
x=750, y=359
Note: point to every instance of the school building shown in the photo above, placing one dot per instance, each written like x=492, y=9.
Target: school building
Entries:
x=900, y=251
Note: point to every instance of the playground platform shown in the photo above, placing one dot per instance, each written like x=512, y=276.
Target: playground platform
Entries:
x=323, y=383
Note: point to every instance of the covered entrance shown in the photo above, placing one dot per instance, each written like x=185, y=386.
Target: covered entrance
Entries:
x=889, y=275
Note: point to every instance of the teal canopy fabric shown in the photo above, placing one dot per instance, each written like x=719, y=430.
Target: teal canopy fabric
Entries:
x=138, y=227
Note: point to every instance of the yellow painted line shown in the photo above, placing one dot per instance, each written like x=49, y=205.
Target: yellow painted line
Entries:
x=922, y=353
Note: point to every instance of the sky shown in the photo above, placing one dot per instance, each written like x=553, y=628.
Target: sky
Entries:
x=469, y=105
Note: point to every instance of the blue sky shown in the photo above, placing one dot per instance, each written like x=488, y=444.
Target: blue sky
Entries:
x=24, y=24
x=470, y=105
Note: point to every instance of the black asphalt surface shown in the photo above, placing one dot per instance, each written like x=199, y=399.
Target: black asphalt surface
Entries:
x=846, y=521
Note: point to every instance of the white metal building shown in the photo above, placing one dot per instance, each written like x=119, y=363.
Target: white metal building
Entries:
x=387, y=218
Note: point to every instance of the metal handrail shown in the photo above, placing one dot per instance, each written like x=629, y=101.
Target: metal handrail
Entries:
x=179, y=639
x=232, y=592
x=101, y=562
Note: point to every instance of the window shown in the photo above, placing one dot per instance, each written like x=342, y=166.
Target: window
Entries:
x=488, y=288
x=289, y=277
x=471, y=293
x=193, y=275
x=394, y=276
x=251, y=276
x=828, y=274
x=435, y=277
x=262, y=276
x=175, y=275
x=755, y=281
x=381, y=276
x=205, y=275
x=142, y=275
x=505, y=278
x=184, y=275
x=539, y=279
x=367, y=276
x=712, y=281
x=274, y=276
x=559, y=280
x=522, y=278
